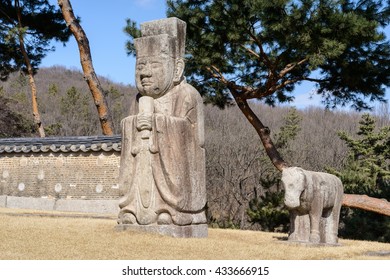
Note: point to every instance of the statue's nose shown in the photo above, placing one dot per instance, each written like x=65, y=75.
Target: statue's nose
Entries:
x=146, y=71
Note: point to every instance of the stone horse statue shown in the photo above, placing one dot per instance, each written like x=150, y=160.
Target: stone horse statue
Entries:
x=314, y=201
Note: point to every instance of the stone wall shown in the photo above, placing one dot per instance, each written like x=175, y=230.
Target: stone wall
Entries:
x=83, y=170
x=60, y=175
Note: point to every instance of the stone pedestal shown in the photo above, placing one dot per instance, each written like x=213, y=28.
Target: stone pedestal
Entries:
x=191, y=231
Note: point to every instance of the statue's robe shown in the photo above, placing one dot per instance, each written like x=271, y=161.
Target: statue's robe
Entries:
x=165, y=173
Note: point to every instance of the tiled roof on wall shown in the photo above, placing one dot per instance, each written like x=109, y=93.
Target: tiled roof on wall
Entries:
x=60, y=144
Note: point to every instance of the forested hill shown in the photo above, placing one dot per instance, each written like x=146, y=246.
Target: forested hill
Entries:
x=65, y=102
x=67, y=108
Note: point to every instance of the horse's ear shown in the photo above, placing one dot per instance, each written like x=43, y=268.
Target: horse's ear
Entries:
x=307, y=178
x=304, y=178
x=300, y=170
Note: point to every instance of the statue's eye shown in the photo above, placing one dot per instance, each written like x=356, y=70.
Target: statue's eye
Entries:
x=156, y=64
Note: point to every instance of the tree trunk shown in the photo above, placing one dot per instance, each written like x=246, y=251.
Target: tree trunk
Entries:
x=262, y=131
x=364, y=202
x=86, y=63
x=34, y=102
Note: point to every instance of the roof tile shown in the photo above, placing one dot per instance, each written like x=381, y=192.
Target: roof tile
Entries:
x=60, y=144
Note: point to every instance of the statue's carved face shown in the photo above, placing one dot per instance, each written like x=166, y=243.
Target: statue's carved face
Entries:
x=154, y=75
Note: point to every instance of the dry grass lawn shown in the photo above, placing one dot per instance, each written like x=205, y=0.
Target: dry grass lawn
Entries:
x=38, y=235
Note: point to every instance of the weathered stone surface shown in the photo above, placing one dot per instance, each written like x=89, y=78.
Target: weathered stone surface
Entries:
x=314, y=201
x=195, y=231
x=87, y=206
x=162, y=169
x=64, y=205
x=30, y=203
x=3, y=201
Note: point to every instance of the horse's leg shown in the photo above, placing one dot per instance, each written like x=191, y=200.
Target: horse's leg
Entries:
x=315, y=218
x=294, y=226
x=326, y=225
x=332, y=226
x=299, y=227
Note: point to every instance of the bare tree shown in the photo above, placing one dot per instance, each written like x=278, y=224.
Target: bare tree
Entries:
x=236, y=166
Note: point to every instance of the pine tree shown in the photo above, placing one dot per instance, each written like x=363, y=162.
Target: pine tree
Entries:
x=25, y=35
x=367, y=171
x=261, y=49
x=41, y=23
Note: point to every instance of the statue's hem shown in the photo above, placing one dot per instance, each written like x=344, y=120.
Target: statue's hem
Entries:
x=189, y=231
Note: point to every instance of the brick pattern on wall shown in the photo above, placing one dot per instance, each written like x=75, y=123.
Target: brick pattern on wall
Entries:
x=79, y=175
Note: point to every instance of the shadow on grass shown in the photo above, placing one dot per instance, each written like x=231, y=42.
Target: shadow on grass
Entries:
x=281, y=238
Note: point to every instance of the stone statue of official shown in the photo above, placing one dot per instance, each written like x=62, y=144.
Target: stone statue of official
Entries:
x=162, y=166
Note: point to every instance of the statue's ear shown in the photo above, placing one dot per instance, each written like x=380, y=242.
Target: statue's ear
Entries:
x=179, y=70
x=302, y=172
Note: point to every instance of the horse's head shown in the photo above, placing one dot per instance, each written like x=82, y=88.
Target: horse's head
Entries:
x=293, y=181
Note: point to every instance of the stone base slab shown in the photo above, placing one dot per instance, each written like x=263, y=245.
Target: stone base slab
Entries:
x=87, y=206
x=3, y=201
x=191, y=231
x=35, y=203
x=64, y=205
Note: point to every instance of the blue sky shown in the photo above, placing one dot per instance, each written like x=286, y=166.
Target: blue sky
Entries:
x=103, y=22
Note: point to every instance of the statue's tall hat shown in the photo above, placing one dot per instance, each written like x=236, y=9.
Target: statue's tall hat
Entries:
x=164, y=36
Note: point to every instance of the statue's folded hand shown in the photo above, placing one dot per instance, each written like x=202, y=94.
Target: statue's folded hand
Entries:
x=144, y=121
